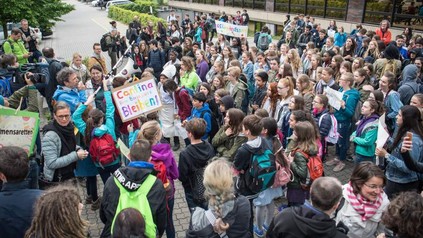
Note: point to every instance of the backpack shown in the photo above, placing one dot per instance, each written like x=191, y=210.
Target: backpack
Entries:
x=261, y=174
x=314, y=169
x=103, y=149
x=263, y=42
x=214, y=123
x=283, y=172
x=197, y=186
x=333, y=135
x=160, y=168
x=103, y=43
x=137, y=200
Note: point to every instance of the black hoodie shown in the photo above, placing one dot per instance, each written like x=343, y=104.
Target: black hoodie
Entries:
x=303, y=221
x=131, y=178
x=192, y=158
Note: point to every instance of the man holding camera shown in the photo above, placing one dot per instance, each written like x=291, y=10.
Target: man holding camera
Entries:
x=15, y=45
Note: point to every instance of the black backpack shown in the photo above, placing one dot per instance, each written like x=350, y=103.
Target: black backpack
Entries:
x=103, y=44
x=214, y=123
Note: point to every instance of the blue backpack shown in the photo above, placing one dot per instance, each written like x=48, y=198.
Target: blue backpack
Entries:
x=261, y=174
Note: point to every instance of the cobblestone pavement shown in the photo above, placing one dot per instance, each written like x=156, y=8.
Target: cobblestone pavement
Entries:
x=77, y=33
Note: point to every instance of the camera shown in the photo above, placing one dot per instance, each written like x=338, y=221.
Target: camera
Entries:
x=37, y=78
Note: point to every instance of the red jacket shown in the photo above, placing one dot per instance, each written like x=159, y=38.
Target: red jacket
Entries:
x=183, y=101
x=384, y=36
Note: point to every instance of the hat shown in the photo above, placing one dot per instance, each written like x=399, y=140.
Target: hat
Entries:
x=200, y=97
x=227, y=101
x=169, y=71
x=391, y=52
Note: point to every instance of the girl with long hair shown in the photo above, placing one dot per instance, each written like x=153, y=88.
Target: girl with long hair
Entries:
x=248, y=68
x=285, y=91
x=372, y=51
x=229, y=137
x=217, y=68
x=304, y=144
x=261, y=62
x=207, y=91
x=322, y=117
x=295, y=103
x=387, y=85
x=285, y=70
x=221, y=43
x=271, y=100
x=298, y=116
x=160, y=153
x=365, y=136
x=361, y=81
x=348, y=50
x=345, y=67
x=144, y=50
x=305, y=89
x=283, y=52
x=97, y=80
x=202, y=64
x=264, y=205
x=295, y=61
x=57, y=213
x=232, y=212
x=227, y=56
x=98, y=124
x=189, y=78
x=316, y=60
x=217, y=83
x=399, y=177
x=336, y=66
x=79, y=68
x=138, y=58
x=187, y=47
x=357, y=63
x=417, y=100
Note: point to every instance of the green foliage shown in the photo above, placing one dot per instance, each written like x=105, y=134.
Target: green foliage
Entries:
x=135, y=7
x=127, y=16
x=42, y=13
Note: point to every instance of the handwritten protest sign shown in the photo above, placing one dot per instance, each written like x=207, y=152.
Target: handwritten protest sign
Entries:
x=334, y=97
x=382, y=132
x=231, y=29
x=136, y=98
x=18, y=128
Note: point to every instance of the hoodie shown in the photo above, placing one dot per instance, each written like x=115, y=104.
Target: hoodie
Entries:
x=193, y=157
x=131, y=178
x=303, y=221
x=408, y=86
x=205, y=113
x=163, y=152
x=71, y=96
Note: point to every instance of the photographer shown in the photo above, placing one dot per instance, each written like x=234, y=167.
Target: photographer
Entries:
x=30, y=39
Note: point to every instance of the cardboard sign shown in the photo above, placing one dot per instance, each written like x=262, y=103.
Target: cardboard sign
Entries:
x=18, y=128
x=136, y=98
x=334, y=97
x=231, y=29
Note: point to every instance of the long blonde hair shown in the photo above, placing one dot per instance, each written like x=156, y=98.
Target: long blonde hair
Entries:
x=56, y=214
x=149, y=131
x=295, y=61
x=218, y=181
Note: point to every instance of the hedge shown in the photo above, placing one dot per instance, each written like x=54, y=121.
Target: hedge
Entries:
x=127, y=16
x=140, y=8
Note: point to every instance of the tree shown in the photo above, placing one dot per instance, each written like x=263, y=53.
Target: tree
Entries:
x=41, y=13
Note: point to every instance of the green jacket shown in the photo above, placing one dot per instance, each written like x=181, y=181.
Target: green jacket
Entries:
x=190, y=80
x=28, y=91
x=238, y=93
x=366, y=143
x=227, y=146
x=299, y=170
x=16, y=48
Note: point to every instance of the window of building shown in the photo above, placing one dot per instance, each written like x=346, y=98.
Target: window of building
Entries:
x=337, y=9
x=259, y=4
x=375, y=11
x=282, y=6
x=316, y=8
x=237, y=3
x=229, y=3
x=298, y=6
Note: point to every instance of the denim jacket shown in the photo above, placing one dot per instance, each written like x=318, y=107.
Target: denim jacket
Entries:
x=396, y=171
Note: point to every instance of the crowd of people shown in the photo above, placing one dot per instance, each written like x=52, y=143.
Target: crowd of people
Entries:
x=235, y=104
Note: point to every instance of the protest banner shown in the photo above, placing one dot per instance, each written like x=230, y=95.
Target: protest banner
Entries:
x=335, y=97
x=231, y=29
x=137, y=98
x=18, y=128
x=382, y=137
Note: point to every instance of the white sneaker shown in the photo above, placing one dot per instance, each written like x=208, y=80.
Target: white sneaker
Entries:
x=332, y=162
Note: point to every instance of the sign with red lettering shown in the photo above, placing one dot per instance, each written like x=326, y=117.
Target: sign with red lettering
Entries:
x=136, y=98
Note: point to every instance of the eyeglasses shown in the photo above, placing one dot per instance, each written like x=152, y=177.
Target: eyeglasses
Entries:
x=374, y=187
x=63, y=117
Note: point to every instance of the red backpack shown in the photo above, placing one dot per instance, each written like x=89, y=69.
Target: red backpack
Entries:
x=314, y=167
x=103, y=150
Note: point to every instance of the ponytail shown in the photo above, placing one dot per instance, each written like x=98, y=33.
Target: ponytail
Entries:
x=88, y=129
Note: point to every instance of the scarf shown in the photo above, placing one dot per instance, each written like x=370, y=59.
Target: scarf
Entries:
x=365, y=208
x=364, y=122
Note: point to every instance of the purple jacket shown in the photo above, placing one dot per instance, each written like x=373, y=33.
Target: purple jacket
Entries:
x=163, y=152
x=202, y=69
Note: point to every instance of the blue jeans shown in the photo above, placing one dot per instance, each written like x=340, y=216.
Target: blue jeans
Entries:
x=107, y=171
x=344, y=140
x=361, y=158
x=170, y=228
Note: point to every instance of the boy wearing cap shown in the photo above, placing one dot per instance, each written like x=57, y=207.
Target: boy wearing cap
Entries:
x=201, y=109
